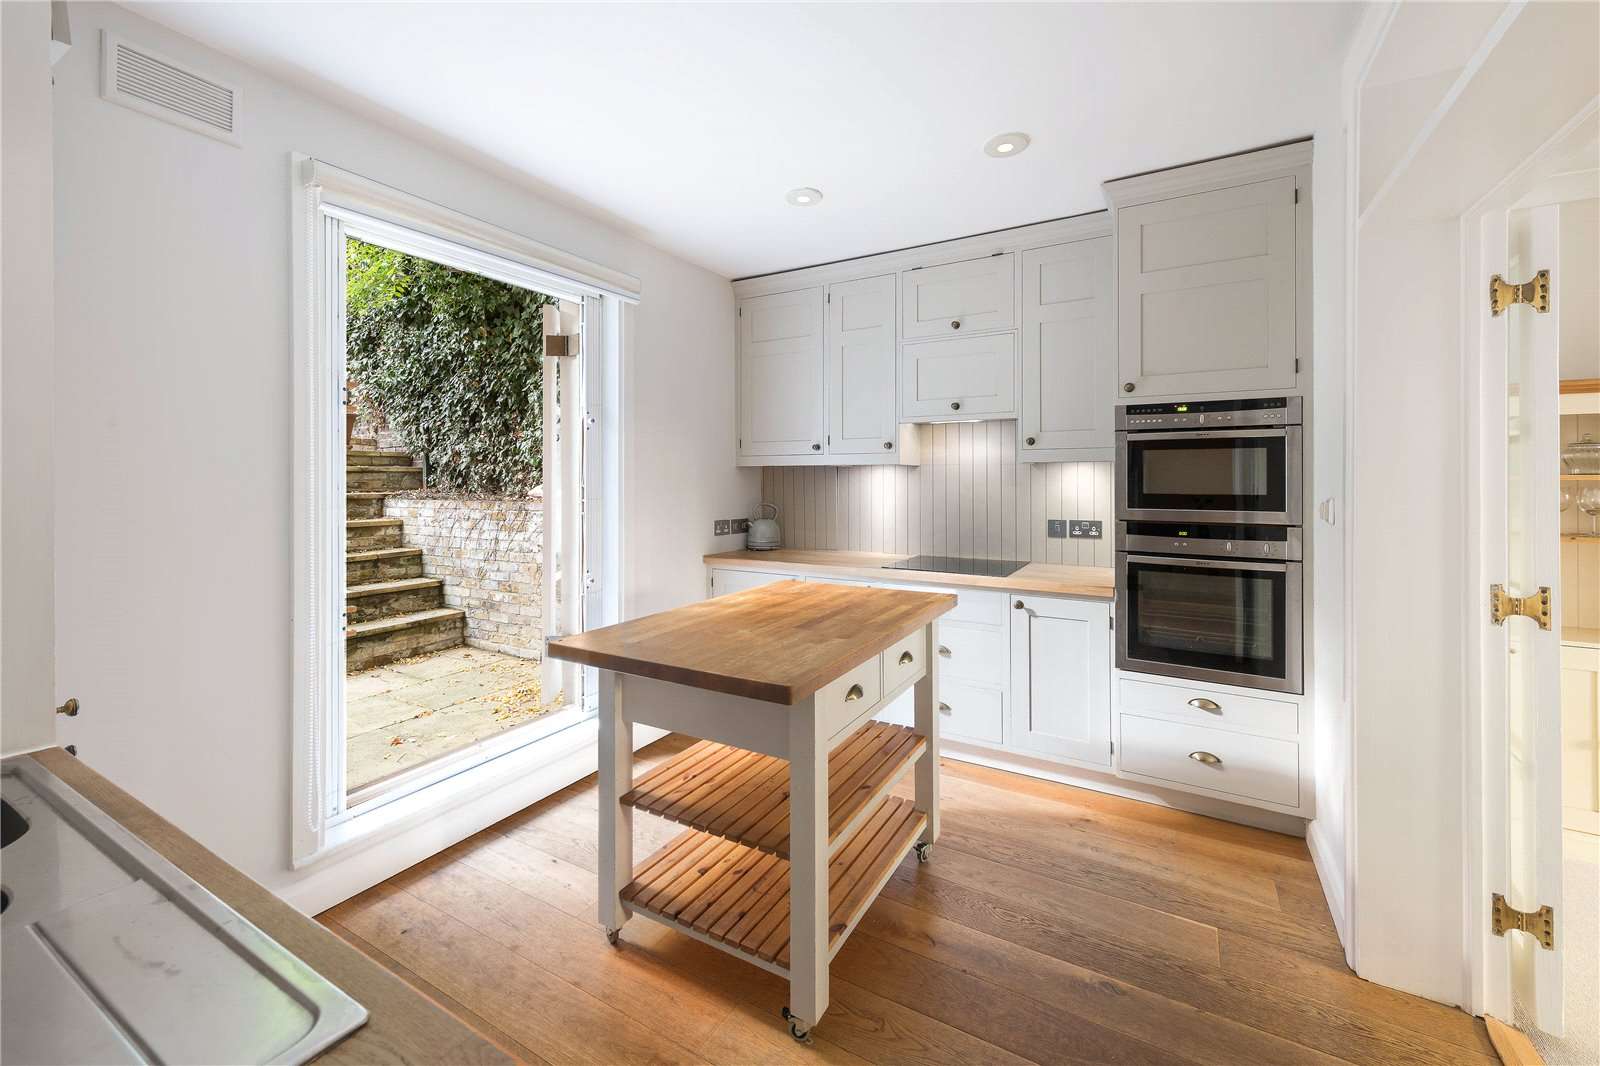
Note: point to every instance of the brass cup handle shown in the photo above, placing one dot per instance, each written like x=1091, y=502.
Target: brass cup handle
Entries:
x=1200, y=703
x=854, y=693
x=906, y=658
x=1205, y=757
x=944, y=708
x=944, y=652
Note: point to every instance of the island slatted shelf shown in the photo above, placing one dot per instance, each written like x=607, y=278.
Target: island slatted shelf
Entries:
x=792, y=830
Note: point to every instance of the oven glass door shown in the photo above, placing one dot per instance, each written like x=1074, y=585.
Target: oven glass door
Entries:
x=1244, y=475
x=1218, y=620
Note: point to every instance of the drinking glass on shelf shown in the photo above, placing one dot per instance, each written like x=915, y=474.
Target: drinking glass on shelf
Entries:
x=1566, y=498
x=1589, y=504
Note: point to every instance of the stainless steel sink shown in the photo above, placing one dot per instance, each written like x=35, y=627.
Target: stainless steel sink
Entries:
x=111, y=954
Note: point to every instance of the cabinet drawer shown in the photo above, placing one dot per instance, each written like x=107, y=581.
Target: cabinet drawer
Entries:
x=969, y=712
x=959, y=298
x=851, y=696
x=973, y=653
x=1253, y=768
x=905, y=661
x=974, y=606
x=1202, y=707
x=966, y=377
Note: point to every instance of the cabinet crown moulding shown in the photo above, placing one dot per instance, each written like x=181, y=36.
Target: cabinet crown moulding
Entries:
x=1209, y=173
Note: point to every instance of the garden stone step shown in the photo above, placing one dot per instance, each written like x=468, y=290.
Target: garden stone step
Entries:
x=374, y=457
x=381, y=478
x=369, y=644
x=381, y=599
x=362, y=534
x=364, y=504
x=381, y=564
x=362, y=443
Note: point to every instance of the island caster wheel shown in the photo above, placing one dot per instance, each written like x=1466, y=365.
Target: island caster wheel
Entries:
x=801, y=1035
x=923, y=850
x=612, y=936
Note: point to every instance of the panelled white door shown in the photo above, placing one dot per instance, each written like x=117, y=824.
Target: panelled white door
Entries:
x=971, y=296
x=861, y=367
x=1068, y=359
x=959, y=379
x=1206, y=292
x=1061, y=678
x=781, y=390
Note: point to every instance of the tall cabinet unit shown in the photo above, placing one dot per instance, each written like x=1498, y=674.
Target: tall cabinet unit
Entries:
x=1068, y=354
x=861, y=367
x=1212, y=273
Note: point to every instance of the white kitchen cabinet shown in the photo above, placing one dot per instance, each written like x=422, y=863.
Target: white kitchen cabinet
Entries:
x=1061, y=678
x=959, y=379
x=726, y=581
x=972, y=296
x=781, y=394
x=1207, y=295
x=1069, y=361
x=861, y=367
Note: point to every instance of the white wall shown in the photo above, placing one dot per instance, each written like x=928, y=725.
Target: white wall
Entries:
x=173, y=315
x=27, y=504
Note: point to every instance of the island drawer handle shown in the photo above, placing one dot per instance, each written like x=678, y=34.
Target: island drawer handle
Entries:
x=1205, y=757
x=1200, y=703
x=944, y=651
x=855, y=693
x=906, y=658
x=944, y=708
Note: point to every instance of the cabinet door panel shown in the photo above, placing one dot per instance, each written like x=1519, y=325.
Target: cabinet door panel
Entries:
x=861, y=367
x=1068, y=361
x=1061, y=679
x=1206, y=291
x=968, y=377
x=781, y=374
x=965, y=297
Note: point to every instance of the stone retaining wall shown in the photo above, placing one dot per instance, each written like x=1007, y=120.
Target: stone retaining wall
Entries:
x=490, y=553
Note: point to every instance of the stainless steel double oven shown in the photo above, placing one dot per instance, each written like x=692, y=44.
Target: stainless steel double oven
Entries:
x=1208, y=501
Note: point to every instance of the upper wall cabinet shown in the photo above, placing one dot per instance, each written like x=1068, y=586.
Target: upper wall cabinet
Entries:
x=861, y=367
x=1068, y=355
x=1211, y=276
x=781, y=407
x=972, y=296
x=959, y=379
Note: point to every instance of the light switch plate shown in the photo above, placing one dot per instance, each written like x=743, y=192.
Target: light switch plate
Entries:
x=1083, y=527
x=741, y=525
x=1055, y=527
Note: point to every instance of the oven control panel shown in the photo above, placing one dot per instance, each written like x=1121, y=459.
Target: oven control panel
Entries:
x=1210, y=414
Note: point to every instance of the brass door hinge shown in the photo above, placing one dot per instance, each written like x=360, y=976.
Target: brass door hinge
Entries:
x=1539, y=924
x=1534, y=293
x=1503, y=605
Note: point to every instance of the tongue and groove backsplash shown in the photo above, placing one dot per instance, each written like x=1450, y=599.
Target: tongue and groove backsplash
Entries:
x=970, y=497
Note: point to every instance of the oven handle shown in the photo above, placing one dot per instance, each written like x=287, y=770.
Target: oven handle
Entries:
x=1281, y=432
x=1210, y=564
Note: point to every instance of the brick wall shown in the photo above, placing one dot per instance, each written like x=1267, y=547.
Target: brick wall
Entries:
x=490, y=553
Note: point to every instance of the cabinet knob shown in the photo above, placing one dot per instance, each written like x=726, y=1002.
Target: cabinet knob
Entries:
x=1018, y=606
x=816, y=447
x=1127, y=386
x=70, y=708
x=944, y=708
x=1205, y=757
x=906, y=658
x=1200, y=703
x=955, y=323
x=1030, y=442
x=955, y=405
x=855, y=693
x=944, y=652
x=888, y=445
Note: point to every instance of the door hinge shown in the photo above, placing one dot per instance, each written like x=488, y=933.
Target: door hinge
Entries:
x=1503, y=605
x=1535, y=293
x=1297, y=365
x=1297, y=194
x=1113, y=747
x=1539, y=924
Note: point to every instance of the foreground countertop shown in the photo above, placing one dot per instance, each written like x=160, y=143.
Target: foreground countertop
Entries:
x=1046, y=579
x=778, y=643
x=403, y=1026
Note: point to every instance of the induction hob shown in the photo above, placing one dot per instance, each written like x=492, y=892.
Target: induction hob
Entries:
x=952, y=564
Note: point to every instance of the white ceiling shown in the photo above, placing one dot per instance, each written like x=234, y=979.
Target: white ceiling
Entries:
x=687, y=123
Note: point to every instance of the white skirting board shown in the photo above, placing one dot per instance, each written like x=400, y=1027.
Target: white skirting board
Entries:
x=1331, y=872
x=1116, y=786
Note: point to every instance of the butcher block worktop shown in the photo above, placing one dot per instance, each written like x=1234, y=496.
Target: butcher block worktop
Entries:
x=779, y=643
x=1045, y=579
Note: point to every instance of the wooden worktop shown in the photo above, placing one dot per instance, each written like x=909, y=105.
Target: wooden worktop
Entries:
x=779, y=643
x=1048, y=579
x=403, y=1026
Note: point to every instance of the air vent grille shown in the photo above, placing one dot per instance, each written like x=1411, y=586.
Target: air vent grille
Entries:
x=146, y=81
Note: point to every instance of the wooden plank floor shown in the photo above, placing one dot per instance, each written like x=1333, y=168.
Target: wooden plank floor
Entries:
x=1053, y=925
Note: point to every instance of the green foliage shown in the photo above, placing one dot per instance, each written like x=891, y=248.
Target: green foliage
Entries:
x=452, y=361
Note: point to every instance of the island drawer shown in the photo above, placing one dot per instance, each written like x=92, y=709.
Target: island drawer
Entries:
x=1208, y=707
x=850, y=696
x=905, y=661
x=1238, y=764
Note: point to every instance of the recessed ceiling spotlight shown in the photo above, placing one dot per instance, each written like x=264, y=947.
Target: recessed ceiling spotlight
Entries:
x=1007, y=144
x=804, y=197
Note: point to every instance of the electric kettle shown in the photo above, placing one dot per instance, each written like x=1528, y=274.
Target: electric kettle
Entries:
x=764, y=535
